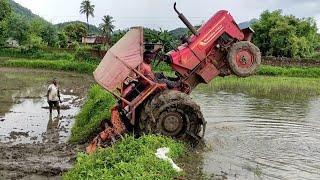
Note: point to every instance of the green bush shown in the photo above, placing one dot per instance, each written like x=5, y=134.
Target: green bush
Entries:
x=128, y=159
x=96, y=108
x=84, y=54
x=285, y=35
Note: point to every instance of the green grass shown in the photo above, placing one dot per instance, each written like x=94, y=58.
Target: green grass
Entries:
x=130, y=158
x=266, y=86
x=96, y=108
x=62, y=65
x=289, y=71
x=18, y=53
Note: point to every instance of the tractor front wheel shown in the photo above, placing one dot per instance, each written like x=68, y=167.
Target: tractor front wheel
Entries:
x=244, y=58
x=172, y=113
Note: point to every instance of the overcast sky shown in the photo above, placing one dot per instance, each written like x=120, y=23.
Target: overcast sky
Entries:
x=159, y=13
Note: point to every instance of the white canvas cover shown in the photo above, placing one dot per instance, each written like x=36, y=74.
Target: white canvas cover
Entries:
x=111, y=72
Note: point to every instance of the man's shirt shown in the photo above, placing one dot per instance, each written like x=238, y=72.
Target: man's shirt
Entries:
x=53, y=92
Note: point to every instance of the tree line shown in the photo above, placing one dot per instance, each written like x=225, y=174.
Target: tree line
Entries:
x=275, y=34
x=37, y=33
x=286, y=35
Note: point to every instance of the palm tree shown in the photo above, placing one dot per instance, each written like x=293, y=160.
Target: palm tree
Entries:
x=106, y=26
x=88, y=9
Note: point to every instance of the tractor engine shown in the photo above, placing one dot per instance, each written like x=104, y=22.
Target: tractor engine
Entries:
x=218, y=48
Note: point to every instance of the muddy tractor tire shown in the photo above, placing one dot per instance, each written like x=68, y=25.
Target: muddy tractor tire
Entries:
x=244, y=58
x=173, y=113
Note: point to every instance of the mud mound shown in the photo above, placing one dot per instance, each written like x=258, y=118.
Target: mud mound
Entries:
x=30, y=160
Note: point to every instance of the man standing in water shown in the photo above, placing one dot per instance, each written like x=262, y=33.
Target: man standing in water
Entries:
x=53, y=96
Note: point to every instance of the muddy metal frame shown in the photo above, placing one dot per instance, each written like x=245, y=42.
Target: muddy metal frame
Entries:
x=153, y=86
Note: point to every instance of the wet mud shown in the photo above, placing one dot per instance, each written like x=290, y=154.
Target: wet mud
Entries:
x=33, y=144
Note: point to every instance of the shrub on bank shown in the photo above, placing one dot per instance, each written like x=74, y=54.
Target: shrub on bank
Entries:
x=130, y=158
x=84, y=54
x=96, y=108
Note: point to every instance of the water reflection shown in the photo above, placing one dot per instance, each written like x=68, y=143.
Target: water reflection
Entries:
x=264, y=138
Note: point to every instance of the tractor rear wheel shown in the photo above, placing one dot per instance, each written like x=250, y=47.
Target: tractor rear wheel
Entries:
x=172, y=113
x=244, y=58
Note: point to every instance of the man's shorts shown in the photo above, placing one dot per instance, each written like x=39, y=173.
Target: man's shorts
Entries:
x=53, y=103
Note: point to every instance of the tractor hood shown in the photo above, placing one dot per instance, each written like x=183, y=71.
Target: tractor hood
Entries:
x=117, y=64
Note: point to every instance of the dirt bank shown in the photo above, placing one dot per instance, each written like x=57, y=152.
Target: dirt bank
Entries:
x=36, y=160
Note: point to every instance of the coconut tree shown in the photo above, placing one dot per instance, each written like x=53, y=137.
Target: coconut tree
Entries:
x=106, y=26
x=88, y=9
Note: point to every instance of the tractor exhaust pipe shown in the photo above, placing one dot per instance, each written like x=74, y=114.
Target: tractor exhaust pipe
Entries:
x=185, y=21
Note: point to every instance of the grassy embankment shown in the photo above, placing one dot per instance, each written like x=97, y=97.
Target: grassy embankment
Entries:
x=62, y=61
x=130, y=158
x=96, y=108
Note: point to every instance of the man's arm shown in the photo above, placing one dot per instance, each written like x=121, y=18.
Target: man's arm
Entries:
x=59, y=96
x=49, y=89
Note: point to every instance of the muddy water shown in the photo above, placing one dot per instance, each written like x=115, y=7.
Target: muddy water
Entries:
x=254, y=138
x=32, y=142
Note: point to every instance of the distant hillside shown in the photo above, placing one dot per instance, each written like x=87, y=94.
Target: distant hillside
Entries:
x=93, y=29
x=24, y=12
x=179, y=32
x=247, y=23
x=182, y=31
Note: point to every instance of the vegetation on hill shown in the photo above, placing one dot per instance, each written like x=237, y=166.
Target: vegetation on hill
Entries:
x=178, y=32
x=92, y=28
x=275, y=34
x=24, y=12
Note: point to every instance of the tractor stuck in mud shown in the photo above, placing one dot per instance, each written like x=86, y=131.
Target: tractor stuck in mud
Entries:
x=148, y=102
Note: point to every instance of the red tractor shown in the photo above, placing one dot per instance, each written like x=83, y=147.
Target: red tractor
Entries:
x=148, y=105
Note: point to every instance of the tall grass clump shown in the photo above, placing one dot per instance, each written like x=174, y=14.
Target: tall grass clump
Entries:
x=130, y=158
x=96, y=108
x=289, y=71
x=269, y=87
x=62, y=65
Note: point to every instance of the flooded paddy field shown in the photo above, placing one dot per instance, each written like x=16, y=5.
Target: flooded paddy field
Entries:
x=249, y=137
x=33, y=143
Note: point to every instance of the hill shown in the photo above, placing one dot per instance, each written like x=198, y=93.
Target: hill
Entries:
x=30, y=16
x=247, y=23
x=179, y=32
x=93, y=29
x=24, y=12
